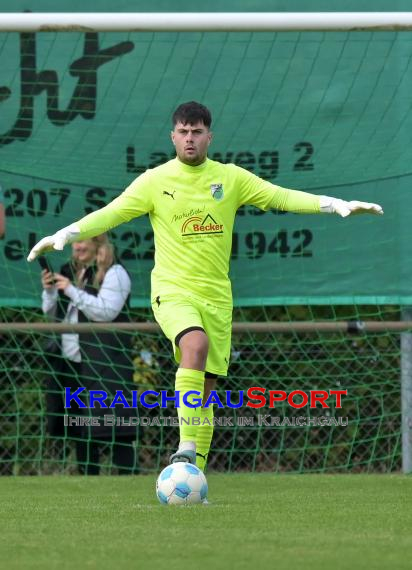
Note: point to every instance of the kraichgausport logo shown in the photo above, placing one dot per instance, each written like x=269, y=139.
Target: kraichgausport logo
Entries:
x=217, y=191
x=254, y=397
x=197, y=226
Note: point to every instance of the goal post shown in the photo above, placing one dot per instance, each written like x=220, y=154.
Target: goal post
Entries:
x=206, y=22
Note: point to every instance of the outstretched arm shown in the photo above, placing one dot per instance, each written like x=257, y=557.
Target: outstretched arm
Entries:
x=264, y=195
x=306, y=203
x=133, y=202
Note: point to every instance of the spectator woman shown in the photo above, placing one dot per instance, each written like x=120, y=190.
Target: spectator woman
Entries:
x=92, y=288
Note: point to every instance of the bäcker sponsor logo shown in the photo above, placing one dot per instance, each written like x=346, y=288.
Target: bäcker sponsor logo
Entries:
x=196, y=226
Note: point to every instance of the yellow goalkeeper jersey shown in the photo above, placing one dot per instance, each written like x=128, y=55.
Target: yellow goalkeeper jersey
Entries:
x=192, y=210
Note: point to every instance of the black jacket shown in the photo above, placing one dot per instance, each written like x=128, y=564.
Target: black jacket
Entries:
x=107, y=365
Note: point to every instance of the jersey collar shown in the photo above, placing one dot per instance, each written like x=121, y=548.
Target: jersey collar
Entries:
x=192, y=169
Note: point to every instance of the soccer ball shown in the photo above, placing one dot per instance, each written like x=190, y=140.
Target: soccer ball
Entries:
x=181, y=484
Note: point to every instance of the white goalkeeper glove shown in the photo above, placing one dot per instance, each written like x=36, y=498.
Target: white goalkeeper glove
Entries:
x=56, y=241
x=330, y=205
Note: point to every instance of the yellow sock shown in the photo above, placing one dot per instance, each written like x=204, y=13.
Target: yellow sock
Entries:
x=204, y=436
x=189, y=418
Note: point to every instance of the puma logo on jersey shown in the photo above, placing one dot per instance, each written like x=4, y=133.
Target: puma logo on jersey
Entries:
x=169, y=194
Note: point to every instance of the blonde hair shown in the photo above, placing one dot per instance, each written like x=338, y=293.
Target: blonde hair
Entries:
x=100, y=241
x=105, y=252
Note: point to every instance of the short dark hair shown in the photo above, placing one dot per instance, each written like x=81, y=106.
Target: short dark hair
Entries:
x=192, y=112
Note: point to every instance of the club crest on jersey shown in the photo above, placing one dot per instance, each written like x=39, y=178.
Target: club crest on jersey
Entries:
x=217, y=191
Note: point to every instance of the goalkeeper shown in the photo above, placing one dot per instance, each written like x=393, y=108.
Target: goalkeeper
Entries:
x=192, y=203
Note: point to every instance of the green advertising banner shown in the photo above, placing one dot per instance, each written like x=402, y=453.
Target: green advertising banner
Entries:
x=82, y=114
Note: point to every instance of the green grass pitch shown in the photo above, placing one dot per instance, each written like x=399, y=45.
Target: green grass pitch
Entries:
x=254, y=522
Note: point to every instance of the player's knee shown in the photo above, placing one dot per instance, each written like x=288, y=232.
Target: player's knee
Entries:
x=194, y=347
x=198, y=349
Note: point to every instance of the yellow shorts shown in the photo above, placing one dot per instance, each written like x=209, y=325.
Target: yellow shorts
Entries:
x=178, y=313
